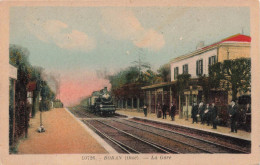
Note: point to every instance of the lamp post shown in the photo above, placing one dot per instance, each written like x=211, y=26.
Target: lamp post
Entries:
x=187, y=106
x=41, y=128
x=41, y=103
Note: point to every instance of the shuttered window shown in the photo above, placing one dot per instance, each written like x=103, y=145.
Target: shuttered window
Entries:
x=176, y=72
x=185, y=69
x=212, y=60
x=199, y=67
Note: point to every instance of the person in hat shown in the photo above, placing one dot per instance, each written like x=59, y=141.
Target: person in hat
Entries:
x=164, y=109
x=233, y=114
x=194, y=112
x=214, y=115
x=201, y=112
x=172, y=110
x=145, y=110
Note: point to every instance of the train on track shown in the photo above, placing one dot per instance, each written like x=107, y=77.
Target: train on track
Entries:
x=101, y=102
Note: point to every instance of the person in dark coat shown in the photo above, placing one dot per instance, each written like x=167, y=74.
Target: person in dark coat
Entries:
x=194, y=113
x=214, y=115
x=201, y=112
x=248, y=118
x=164, y=109
x=173, y=109
x=207, y=114
x=158, y=110
x=145, y=110
x=233, y=114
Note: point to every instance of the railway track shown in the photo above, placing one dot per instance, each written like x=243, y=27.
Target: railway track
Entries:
x=201, y=144
x=235, y=144
x=128, y=142
x=170, y=143
x=81, y=112
x=136, y=136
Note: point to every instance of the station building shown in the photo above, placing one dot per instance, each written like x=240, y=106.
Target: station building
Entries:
x=197, y=63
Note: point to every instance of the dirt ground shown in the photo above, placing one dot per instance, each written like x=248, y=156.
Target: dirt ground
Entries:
x=63, y=135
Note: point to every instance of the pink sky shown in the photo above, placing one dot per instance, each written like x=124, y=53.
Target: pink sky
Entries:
x=74, y=88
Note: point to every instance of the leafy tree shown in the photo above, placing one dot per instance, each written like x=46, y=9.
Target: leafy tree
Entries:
x=150, y=77
x=18, y=56
x=165, y=72
x=232, y=74
x=203, y=81
x=131, y=75
x=36, y=76
x=182, y=82
x=47, y=95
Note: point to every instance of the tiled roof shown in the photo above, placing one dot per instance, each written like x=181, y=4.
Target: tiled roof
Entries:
x=234, y=38
x=238, y=38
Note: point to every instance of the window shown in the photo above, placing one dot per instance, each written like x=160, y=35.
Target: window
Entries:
x=176, y=72
x=185, y=69
x=199, y=67
x=212, y=60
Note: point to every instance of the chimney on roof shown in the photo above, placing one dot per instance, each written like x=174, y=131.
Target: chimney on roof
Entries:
x=200, y=45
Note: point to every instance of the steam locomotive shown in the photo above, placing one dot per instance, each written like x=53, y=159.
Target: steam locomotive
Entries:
x=100, y=102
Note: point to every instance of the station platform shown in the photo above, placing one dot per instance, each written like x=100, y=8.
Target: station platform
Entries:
x=187, y=123
x=64, y=135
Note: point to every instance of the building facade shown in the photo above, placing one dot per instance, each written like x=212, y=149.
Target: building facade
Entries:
x=197, y=63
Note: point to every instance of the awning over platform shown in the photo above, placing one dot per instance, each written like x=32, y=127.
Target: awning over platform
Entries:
x=158, y=85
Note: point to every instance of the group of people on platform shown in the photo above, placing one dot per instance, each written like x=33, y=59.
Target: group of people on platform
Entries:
x=208, y=114
x=163, y=109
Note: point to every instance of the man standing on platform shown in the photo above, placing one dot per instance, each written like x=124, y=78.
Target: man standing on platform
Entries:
x=194, y=113
x=207, y=114
x=233, y=114
x=164, y=109
x=173, y=109
x=145, y=110
x=201, y=112
x=214, y=115
x=248, y=117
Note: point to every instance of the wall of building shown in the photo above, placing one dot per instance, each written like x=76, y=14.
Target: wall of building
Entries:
x=192, y=63
x=233, y=51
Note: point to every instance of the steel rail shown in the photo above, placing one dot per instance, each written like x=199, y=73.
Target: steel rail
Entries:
x=157, y=146
x=124, y=147
x=203, y=140
x=166, y=137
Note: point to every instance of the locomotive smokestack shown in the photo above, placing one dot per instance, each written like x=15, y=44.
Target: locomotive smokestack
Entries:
x=105, y=88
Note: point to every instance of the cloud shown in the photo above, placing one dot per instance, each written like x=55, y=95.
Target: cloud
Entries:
x=150, y=39
x=123, y=25
x=60, y=34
